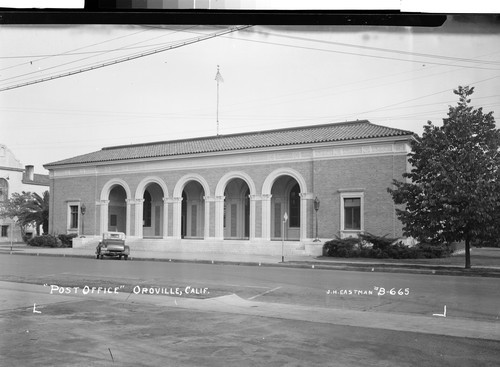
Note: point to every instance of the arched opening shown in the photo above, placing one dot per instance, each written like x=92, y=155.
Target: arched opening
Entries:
x=285, y=198
x=117, y=209
x=237, y=210
x=152, y=211
x=193, y=211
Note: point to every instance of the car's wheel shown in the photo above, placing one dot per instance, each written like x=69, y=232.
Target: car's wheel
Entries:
x=102, y=257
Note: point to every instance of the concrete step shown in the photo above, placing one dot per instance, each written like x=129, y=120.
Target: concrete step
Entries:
x=257, y=247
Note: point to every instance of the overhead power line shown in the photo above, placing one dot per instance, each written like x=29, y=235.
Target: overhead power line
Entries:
x=388, y=50
x=380, y=49
x=129, y=58
x=40, y=57
x=100, y=53
x=37, y=58
x=369, y=55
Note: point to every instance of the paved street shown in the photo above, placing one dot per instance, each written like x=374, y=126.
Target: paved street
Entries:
x=464, y=297
x=239, y=315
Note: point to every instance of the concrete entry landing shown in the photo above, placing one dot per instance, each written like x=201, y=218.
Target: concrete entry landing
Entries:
x=254, y=247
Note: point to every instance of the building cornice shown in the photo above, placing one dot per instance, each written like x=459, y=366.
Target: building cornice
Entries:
x=311, y=146
x=284, y=155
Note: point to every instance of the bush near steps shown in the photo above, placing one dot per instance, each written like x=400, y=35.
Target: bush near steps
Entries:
x=382, y=247
x=48, y=240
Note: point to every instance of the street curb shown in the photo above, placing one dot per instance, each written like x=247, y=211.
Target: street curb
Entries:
x=364, y=267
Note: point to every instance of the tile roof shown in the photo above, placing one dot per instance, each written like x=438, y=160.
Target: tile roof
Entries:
x=353, y=130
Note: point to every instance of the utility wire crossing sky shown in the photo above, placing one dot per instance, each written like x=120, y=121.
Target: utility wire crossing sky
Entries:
x=274, y=77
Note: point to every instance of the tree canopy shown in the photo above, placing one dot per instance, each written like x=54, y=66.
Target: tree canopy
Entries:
x=452, y=192
x=27, y=208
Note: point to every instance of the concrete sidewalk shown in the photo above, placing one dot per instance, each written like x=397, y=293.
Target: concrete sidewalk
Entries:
x=296, y=261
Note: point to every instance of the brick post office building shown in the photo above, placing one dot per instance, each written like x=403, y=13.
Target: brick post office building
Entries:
x=230, y=193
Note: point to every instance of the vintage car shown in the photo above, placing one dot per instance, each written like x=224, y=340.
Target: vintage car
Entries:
x=112, y=244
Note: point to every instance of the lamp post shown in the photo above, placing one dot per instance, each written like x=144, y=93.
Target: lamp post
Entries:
x=285, y=218
x=83, y=209
x=316, y=208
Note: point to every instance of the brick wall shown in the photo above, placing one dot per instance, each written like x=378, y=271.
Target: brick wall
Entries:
x=371, y=176
x=324, y=177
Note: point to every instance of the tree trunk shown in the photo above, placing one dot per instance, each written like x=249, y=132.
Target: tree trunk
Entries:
x=23, y=233
x=467, y=253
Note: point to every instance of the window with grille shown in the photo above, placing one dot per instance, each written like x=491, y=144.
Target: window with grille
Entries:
x=73, y=216
x=352, y=213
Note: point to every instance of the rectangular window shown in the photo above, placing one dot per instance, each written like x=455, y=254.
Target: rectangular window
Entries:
x=73, y=216
x=352, y=210
x=5, y=231
x=352, y=213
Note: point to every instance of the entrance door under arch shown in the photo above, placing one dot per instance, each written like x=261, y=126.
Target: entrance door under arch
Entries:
x=285, y=199
x=117, y=209
x=152, y=211
x=193, y=211
x=237, y=210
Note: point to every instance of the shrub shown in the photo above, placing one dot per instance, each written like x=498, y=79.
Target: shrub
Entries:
x=340, y=247
x=46, y=240
x=379, y=242
x=67, y=239
x=381, y=247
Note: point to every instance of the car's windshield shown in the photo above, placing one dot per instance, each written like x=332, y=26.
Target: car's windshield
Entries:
x=113, y=236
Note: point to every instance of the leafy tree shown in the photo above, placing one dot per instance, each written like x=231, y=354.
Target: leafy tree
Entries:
x=39, y=207
x=27, y=208
x=453, y=190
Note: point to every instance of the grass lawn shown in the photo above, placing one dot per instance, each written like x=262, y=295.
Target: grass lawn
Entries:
x=486, y=257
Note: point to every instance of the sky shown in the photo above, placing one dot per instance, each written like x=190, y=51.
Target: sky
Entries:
x=274, y=77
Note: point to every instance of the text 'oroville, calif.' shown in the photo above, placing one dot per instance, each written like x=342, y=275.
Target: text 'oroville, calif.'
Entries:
x=178, y=291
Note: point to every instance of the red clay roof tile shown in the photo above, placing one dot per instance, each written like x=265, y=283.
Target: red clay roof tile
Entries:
x=353, y=130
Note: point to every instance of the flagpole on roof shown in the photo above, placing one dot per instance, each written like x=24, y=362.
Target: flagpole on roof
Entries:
x=218, y=78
